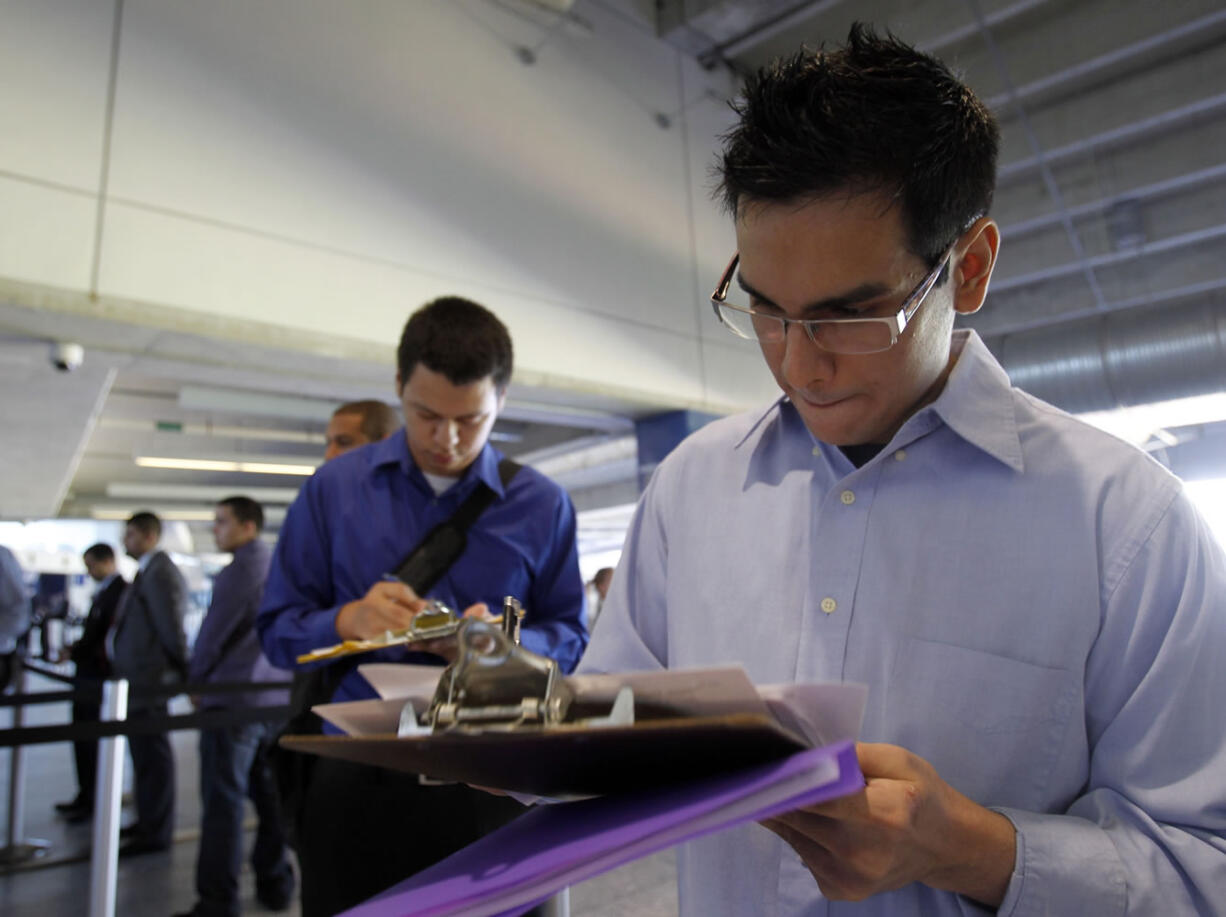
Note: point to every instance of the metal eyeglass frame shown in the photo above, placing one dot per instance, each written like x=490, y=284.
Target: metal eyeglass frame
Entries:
x=896, y=322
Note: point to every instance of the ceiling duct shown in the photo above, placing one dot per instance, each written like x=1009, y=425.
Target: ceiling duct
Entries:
x=1122, y=358
x=705, y=29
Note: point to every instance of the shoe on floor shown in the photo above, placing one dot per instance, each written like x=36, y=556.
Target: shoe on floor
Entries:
x=79, y=816
x=276, y=892
x=138, y=847
x=79, y=803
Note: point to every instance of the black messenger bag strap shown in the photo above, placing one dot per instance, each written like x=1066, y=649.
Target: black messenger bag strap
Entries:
x=441, y=547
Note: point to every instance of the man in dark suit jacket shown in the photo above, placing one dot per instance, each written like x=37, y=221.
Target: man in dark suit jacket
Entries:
x=89, y=656
x=148, y=647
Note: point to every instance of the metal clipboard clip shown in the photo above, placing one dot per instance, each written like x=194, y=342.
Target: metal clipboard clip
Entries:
x=495, y=685
x=432, y=622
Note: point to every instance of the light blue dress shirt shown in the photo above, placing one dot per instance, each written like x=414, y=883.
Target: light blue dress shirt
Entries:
x=1035, y=606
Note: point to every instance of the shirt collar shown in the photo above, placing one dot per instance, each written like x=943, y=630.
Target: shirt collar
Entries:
x=395, y=451
x=976, y=403
x=143, y=564
x=251, y=547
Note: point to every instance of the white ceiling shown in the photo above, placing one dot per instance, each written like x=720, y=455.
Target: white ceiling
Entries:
x=1112, y=203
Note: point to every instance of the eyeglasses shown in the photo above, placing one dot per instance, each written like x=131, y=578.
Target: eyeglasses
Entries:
x=836, y=335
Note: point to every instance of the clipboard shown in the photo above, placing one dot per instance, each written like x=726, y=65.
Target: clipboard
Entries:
x=574, y=762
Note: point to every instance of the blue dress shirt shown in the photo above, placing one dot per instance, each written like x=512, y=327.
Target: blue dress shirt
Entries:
x=359, y=515
x=1035, y=606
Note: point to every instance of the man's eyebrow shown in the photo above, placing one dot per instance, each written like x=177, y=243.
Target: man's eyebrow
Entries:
x=865, y=292
x=418, y=406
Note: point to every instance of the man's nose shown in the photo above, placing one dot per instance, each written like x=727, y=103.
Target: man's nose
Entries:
x=446, y=432
x=804, y=363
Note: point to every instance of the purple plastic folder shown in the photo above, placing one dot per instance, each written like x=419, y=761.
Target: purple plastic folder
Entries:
x=553, y=846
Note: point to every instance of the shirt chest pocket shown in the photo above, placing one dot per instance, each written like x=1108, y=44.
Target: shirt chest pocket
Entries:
x=487, y=571
x=991, y=725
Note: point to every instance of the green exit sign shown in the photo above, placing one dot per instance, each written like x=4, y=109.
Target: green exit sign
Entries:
x=168, y=426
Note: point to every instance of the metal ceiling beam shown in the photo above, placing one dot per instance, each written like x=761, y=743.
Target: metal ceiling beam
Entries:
x=1156, y=298
x=1049, y=179
x=1118, y=136
x=1056, y=271
x=767, y=30
x=1197, y=28
x=1144, y=192
x=992, y=20
x=561, y=416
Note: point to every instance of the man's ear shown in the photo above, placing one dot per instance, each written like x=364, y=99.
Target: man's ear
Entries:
x=974, y=259
x=502, y=398
x=399, y=386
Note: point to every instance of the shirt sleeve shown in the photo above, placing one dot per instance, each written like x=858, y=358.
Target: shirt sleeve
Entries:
x=632, y=635
x=298, y=611
x=167, y=611
x=224, y=615
x=554, y=626
x=1148, y=833
x=14, y=607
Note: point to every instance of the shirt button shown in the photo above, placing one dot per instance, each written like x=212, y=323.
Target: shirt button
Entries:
x=900, y=455
x=829, y=605
x=848, y=499
x=817, y=450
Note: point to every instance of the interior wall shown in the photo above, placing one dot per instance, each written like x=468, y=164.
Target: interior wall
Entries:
x=326, y=167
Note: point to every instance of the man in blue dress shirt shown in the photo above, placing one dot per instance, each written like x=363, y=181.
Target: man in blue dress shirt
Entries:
x=362, y=829
x=1038, y=611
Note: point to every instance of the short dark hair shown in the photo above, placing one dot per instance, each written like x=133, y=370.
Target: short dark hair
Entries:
x=146, y=523
x=379, y=419
x=458, y=338
x=874, y=116
x=245, y=510
x=100, y=552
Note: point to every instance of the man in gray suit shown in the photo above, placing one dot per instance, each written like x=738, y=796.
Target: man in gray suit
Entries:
x=148, y=647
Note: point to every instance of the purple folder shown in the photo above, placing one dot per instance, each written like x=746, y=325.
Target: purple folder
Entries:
x=553, y=846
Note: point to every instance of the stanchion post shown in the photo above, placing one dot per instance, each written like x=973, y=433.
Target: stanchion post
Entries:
x=558, y=905
x=108, y=796
x=19, y=848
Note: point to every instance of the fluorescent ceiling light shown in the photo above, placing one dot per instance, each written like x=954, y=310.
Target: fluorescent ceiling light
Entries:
x=166, y=515
x=172, y=513
x=1140, y=423
x=205, y=493
x=189, y=464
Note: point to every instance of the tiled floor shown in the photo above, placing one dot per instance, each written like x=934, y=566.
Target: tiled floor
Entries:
x=157, y=885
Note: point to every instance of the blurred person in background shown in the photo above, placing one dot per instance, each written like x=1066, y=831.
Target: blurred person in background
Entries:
x=14, y=614
x=233, y=759
x=600, y=588
x=88, y=654
x=147, y=646
x=357, y=423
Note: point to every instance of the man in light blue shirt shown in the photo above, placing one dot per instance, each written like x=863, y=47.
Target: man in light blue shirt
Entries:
x=1038, y=611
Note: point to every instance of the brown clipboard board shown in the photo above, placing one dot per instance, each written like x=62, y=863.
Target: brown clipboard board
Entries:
x=580, y=761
